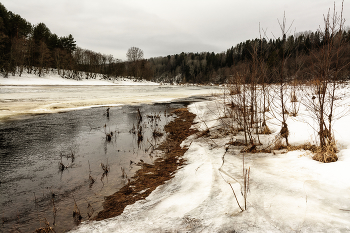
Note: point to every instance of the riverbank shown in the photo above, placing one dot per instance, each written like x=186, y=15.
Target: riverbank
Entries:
x=150, y=176
x=288, y=190
x=53, y=79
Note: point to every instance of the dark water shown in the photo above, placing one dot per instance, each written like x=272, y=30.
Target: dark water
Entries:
x=34, y=189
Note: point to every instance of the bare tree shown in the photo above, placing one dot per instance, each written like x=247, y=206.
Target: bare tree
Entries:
x=18, y=49
x=44, y=57
x=134, y=55
x=327, y=73
x=281, y=111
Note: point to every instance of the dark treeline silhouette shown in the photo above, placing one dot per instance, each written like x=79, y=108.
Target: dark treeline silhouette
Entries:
x=24, y=46
x=37, y=50
x=218, y=68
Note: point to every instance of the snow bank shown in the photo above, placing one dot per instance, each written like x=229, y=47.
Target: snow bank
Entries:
x=288, y=192
x=55, y=79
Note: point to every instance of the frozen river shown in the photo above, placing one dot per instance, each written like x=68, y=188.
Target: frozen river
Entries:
x=17, y=101
x=33, y=144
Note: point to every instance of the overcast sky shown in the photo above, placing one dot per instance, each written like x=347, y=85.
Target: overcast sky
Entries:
x=165, y=27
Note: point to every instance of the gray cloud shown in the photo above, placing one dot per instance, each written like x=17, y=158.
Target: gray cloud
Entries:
x=163, y=27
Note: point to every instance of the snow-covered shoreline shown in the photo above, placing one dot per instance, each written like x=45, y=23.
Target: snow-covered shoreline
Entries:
x=55, y=79
x=289, y=192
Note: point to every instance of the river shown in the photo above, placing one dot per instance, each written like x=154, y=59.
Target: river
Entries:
x=54, y=138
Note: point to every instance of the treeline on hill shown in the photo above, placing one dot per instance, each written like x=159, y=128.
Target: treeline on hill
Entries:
x=218, y=68
x=36, y=49
x=25, y=46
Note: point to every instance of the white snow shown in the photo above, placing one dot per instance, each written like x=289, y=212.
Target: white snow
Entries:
x=289, y=192
x=55, y=79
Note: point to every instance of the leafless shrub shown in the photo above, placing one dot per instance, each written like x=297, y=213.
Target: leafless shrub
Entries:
x=61, y=166
x=107, y=112
x=321, y=98
x=46, y=229
x=234, y=90
x=76, y=212
x=105, y=168
x=123, y=173
x=156, y=133
x=90, y=209
x=244, y=186
x=265, y=130
x=278, y=144
x=91, y=179
x=293, y=97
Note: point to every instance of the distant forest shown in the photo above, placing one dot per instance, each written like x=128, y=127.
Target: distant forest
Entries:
x=35, y=49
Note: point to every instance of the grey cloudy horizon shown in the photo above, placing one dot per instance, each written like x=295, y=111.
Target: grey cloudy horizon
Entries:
x=166, y=27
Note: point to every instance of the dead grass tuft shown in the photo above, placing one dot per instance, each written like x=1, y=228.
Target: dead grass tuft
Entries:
x=265, y=130
x=46, y=228
x=326, y=154
x=278, y=145
x=237, y=142
x=76, y=212
x=306, y=146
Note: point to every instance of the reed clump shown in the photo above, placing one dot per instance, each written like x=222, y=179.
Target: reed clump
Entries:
x=46, y=229
x=326, y=154
x=76, y=212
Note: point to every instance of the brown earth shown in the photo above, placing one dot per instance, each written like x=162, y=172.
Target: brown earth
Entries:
x=150, y=176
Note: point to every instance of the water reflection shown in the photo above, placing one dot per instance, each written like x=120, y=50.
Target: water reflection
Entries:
x=54, y=164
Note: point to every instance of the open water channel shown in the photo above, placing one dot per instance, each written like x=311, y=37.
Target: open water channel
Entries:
x=48, y=161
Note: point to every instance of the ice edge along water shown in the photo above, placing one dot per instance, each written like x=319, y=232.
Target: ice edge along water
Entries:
x=288, y=192
x=26, y=95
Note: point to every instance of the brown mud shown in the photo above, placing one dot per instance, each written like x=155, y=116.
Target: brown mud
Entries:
x=150, y=176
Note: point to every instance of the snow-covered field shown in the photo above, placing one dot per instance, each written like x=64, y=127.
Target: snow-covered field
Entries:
x=288, y=192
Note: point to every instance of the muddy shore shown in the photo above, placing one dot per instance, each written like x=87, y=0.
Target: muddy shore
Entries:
x=150, y=176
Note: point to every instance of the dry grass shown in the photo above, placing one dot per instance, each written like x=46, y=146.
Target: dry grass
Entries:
x=46, y=228
x=278, y=145
x=326, y=154
x=306, y=146
x=265, y=130
x=323, y=155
